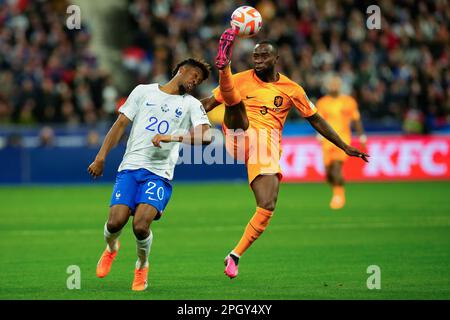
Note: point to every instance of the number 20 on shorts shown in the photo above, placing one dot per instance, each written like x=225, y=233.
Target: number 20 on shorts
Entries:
x=151, y=192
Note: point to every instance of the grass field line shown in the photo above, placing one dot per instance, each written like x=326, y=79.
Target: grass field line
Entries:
x=424, y=223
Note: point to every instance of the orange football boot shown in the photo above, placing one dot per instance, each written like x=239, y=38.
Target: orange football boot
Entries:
x=105, y=262
x=140, y=279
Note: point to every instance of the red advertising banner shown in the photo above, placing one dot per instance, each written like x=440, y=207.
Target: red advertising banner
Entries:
x=392, y=157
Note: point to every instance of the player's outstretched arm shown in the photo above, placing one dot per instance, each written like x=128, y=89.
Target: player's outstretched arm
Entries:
x=111, y=139
x=209, y=103
x=199, y=135
x=318, y=123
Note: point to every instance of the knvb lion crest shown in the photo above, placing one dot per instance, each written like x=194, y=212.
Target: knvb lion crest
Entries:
x=278, y=101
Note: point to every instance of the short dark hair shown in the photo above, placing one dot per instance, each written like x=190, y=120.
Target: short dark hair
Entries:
x=271, y=43
x=199, y=63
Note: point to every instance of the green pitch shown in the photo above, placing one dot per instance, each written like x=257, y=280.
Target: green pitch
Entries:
x=308, y=251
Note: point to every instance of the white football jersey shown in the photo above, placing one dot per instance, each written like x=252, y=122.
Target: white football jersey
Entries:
x=154, y=111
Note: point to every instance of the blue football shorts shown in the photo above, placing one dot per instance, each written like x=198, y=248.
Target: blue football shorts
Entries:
x=133, y=187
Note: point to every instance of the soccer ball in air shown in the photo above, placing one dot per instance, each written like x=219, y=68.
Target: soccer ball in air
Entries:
x=246, y=21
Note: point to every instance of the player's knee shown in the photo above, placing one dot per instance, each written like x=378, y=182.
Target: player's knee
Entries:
x=336, y=168
x=268, y=204
x=141, y=230
x=114, y=225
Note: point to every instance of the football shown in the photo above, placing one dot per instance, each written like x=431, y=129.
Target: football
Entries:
x=246, y=21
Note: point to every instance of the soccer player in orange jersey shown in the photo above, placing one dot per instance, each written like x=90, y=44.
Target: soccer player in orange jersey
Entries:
x=258, y=101
x=340, y=111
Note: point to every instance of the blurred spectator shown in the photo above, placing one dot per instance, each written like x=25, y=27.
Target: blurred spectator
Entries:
x=413, y=122
x=93, y=139
x=46, y=137
x=110, y=96
x=14, y=140
x=68, y=113
x=5, y=110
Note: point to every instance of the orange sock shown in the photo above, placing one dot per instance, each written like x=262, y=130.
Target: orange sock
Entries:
x=230, y=95
x=338, y=191
x=254, y=229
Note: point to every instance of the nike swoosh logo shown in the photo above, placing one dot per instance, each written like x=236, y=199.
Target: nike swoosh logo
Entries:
x=248, y=97
x=150, y=104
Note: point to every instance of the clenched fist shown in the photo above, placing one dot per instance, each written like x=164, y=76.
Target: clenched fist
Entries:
x=96, y=168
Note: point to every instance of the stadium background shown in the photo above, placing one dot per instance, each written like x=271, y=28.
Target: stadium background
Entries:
x=60, y=90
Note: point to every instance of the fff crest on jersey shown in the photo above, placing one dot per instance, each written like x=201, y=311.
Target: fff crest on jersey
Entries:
x=278, y=101
x=165, y=108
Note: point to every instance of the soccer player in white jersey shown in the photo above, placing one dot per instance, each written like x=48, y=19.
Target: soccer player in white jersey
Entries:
x=160, y=113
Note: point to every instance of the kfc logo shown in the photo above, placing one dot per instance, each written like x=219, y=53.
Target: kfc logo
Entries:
x=391, y=158
x=398, y=158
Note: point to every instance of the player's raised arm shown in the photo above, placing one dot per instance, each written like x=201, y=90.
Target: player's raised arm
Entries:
x=111, y=139
x=209, y=103
x=199, y=135
x=328, y=132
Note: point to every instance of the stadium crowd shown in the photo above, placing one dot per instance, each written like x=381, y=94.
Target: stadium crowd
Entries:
x=399, y=74
x=48, y=73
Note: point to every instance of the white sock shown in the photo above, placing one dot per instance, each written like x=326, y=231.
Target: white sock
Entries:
x=111, y=239
x=143, y=251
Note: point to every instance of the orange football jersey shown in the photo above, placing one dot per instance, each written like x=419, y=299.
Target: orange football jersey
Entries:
x=339, y=112
x=268, y=103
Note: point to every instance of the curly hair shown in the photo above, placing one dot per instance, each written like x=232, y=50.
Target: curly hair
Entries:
x=200, y=63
